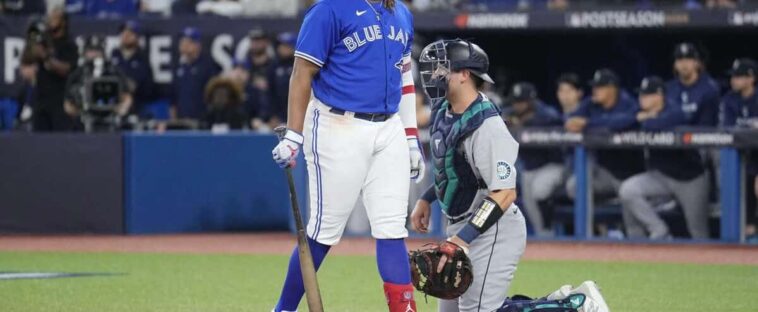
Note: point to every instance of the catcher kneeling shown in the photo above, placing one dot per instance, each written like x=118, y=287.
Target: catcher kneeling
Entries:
x=475, y=184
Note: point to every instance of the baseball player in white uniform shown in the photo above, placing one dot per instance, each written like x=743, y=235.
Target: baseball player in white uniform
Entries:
x=352, y=111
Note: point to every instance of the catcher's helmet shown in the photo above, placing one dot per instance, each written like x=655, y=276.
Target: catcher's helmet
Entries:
x=444, y=56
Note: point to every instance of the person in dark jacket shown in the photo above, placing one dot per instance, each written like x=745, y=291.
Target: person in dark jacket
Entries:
x=135, y=64
x=670, y=172
x=608, y=109
x=739, y=109
x=542, y=169
x=693, y=89
x=191, y=75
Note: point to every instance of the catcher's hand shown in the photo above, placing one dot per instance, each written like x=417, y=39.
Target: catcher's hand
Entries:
x=441, y=270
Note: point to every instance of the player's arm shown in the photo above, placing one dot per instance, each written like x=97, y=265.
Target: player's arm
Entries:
x=299, y=93
x=314, y=44
x=494, y=153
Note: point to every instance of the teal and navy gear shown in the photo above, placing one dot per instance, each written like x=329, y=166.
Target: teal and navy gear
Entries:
x=456, y=184
x=359, y=47
x=482, y=219
x=521, y=303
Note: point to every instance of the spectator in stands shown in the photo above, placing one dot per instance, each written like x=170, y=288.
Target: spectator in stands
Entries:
x=674, y=173
x=54, y=54
x=285, y=52
x=542, y=171
x=612, y=109
x=740, y=109
x=692, y=88
x=103, y=8
x=569, y=92
x=14, y=97
x=287, y=8
x=224, y=97
x=191, y=74
x=740, y=105
x=184, y=7
x=262, y=69
x=135, y=64
x=95, y=65
x=22, y=7
x=229, y=8
x=159, y=7
x=721, y=4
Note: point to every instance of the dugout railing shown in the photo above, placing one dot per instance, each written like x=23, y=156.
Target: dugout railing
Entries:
x=732, y=146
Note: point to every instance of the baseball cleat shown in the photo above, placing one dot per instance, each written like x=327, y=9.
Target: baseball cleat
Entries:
x=561, y=293
x=595, y=301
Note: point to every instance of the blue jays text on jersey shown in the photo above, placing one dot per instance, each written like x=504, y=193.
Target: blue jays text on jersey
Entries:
x=373, y=33
x=359, y=47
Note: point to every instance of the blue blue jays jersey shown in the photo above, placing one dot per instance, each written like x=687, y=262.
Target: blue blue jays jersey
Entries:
x=359, y=46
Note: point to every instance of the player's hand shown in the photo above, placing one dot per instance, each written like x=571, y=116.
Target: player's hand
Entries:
x=576, y=124
x=418, y=165
x=448, y=249
x=420, y=216
x=285, y=153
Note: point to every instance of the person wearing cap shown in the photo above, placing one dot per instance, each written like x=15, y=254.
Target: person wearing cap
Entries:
x=95, y=65
x=610, y=108
x=135, y=64
x=191, y=74
x=739, y=109
x=569, y=92
x=285, y=53
x=677, y=173
x=262, y=66
x=693, y=88
x=542, y=168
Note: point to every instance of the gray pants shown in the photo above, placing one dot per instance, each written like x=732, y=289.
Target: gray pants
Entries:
x=494, y=256
x=639, y=215
x=537, y=185
x=603, y=182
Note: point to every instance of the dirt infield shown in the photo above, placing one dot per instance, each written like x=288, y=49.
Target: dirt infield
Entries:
x=283, y=243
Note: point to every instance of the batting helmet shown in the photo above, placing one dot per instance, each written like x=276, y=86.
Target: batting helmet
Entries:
x=444, y=56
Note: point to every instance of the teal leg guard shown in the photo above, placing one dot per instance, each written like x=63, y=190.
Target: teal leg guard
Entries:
x=525, y=304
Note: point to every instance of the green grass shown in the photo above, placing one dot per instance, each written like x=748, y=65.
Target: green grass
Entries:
x=177, y=282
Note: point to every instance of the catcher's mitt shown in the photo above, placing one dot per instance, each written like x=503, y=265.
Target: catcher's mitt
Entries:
x=449, y=282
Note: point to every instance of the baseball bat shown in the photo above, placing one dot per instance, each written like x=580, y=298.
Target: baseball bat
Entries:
x=308, y=270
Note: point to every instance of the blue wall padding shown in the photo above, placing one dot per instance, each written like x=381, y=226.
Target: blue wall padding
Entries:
x=200, y=182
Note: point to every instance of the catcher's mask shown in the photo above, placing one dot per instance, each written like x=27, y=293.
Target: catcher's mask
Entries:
x=442, y=57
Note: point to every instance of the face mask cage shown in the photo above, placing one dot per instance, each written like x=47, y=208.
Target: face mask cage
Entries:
x=434, y=67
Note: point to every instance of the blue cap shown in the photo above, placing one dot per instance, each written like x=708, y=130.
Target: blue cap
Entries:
x=287, y=38
x=132, y=26
x=191, y=33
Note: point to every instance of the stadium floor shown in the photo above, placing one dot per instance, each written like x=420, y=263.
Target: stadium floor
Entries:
x=244, y=273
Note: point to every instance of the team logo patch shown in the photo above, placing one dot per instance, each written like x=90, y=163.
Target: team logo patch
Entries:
x=503, y=170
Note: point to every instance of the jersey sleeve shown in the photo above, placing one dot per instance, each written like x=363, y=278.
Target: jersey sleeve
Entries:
x=494, y=152
x=409, y=46
x=318, y=34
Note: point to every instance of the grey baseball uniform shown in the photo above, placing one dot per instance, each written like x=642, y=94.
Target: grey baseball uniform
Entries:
x=491, y=151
